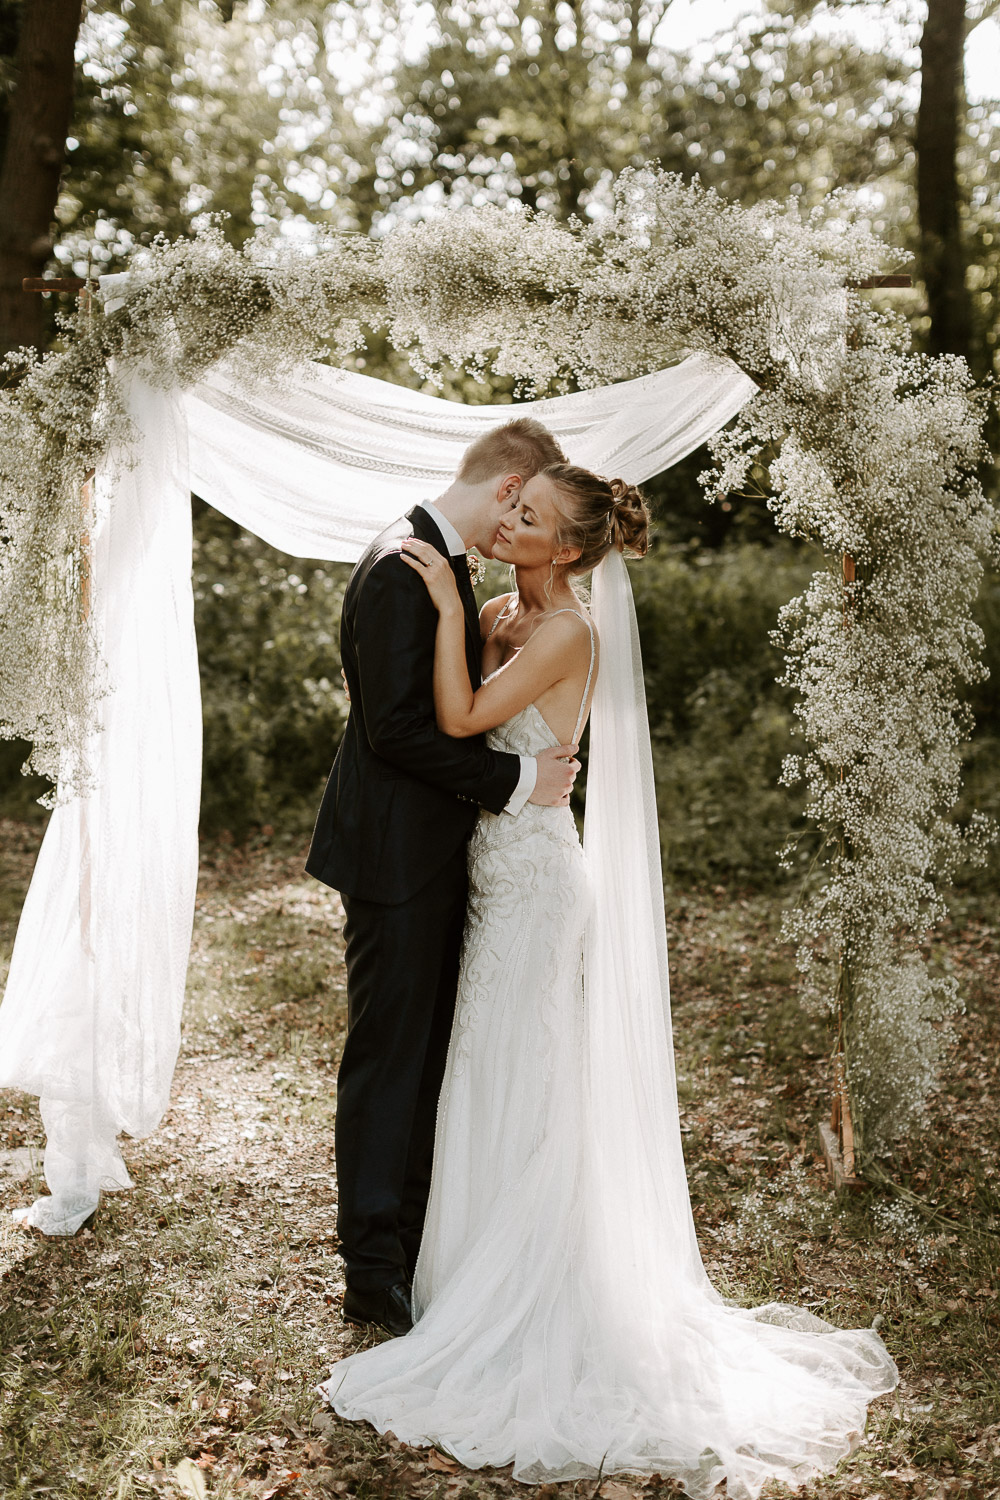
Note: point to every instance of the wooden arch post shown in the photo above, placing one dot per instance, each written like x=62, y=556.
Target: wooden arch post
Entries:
x=837, y=1137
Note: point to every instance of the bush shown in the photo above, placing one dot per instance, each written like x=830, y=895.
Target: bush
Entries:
x=720, y=724
x=274, y=708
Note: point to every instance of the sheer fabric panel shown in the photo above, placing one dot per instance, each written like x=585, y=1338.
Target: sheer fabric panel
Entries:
x=90, y=1019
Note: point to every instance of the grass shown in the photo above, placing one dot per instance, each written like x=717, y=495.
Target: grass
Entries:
x=173, y=1350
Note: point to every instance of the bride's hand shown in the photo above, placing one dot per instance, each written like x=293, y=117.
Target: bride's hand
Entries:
x=436, y=571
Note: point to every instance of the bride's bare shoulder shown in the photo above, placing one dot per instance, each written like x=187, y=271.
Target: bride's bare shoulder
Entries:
x=489, y=612
x=567, y=630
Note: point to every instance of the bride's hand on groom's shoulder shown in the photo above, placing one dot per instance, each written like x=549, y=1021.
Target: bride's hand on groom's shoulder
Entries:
x=556, y=773
x=436, y=571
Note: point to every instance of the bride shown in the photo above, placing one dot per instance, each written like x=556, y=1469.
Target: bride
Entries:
x=564, y=1321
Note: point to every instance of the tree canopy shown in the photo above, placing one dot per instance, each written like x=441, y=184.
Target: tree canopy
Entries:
x=346, y=115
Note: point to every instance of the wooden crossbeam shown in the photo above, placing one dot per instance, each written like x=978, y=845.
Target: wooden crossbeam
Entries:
x=868, y=283
x=53, y=284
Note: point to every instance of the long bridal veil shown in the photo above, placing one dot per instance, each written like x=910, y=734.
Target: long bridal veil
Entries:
x=704, y=1389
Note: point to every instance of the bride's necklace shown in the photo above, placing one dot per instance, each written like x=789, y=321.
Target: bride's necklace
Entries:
x=508, y=618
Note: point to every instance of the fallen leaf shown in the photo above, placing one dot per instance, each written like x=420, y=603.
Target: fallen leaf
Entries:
x=405, y=1478
x=190, y=1479
x=324, y=1422
x=612, y=1490
x=442, y=1464
x=283, y=1487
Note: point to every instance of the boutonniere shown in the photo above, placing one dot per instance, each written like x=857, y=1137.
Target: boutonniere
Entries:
x=477, y=568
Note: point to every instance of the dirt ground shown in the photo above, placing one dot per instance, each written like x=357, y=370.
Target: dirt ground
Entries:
x=173, y=1350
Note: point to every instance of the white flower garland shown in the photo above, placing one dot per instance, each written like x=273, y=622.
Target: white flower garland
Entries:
x=873, y=453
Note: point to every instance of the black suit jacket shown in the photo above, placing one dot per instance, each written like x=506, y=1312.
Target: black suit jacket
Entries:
x=402, y=796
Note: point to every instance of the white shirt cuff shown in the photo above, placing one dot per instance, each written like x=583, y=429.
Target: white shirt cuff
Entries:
x=525, y=786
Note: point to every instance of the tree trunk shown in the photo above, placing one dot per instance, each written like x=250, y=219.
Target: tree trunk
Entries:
x=942, y=251
x=38, y=120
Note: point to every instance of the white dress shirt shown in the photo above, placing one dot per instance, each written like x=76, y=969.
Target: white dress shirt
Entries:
x=457, y=548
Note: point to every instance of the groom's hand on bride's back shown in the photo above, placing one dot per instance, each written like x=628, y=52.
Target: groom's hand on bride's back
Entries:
x=557, y=770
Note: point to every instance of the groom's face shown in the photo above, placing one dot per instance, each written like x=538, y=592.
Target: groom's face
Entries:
x=505, y=494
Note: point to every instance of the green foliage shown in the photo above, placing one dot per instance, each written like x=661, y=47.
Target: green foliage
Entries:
x=182, y=109
x=273, y=705
x=532, y=103
x=707, y=615
x=274, y=709
x=720, y=723
x=722, y=818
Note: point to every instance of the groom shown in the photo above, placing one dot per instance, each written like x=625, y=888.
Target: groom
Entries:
x=400, y=804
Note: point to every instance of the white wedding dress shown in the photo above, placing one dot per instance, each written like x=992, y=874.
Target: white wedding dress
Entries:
x=563, y=1324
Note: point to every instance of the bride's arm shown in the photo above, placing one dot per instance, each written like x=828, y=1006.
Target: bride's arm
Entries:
x=558, y=649
x=452, y=687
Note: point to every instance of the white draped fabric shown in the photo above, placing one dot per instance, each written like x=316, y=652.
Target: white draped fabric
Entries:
x=90, y=1020
x=319, y=465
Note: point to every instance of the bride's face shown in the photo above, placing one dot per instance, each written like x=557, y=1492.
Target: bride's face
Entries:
x=528, y=534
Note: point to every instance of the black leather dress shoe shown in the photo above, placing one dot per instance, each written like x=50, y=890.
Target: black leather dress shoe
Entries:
x=388, y=1308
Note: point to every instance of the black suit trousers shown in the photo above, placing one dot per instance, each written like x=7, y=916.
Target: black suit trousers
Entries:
x=402, y=977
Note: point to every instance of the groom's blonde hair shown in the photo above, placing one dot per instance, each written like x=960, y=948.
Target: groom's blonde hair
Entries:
x=522, y=446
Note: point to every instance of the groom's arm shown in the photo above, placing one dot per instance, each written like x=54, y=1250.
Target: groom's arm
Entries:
x=394, y=630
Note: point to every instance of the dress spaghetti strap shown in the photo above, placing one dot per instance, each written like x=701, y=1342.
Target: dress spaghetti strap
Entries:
x=590, y=670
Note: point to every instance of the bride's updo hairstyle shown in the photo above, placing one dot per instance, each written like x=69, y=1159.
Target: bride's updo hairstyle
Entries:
x=597, y=515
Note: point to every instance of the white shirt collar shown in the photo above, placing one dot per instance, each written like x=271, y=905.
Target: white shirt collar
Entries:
x=452, y=540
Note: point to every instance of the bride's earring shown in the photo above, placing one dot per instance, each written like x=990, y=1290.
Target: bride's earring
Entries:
x=552, y=575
